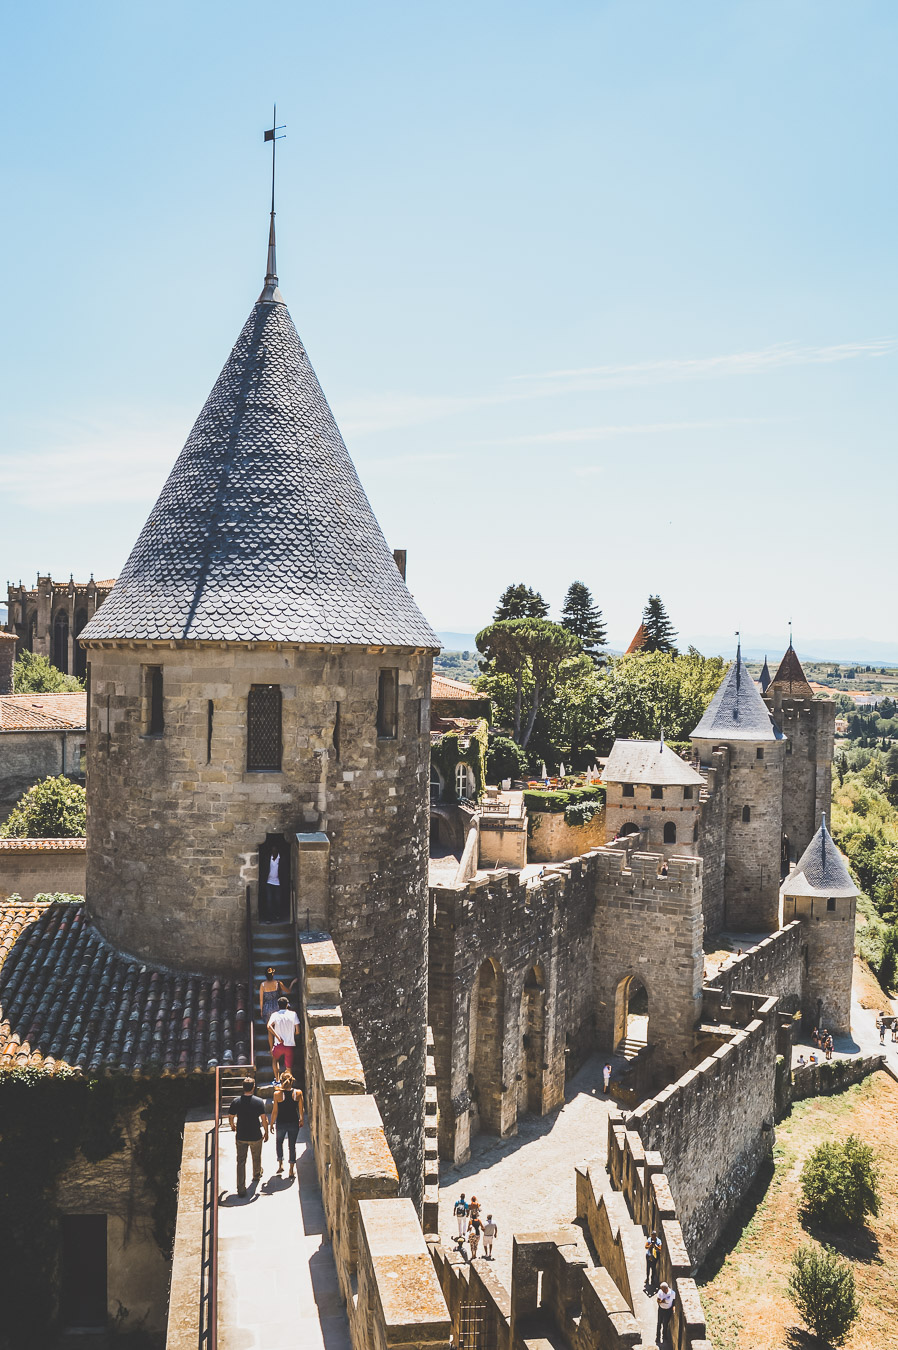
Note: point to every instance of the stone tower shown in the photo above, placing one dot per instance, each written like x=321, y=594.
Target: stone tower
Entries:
x=819, y=891
x=809, y=727
x=260, y=676
x=737, y=719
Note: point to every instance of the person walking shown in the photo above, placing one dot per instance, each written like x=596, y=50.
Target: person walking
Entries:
x=881, y=1028
x=490, y=1232
x=474, y=1230
x=460, y=1210
x=652, y=1256
x=270, y=990
x=247, y=1118
x=284, y=1024
x=287, y=1119
x=273, y=887
x=665, y=1299
x=606, y=1075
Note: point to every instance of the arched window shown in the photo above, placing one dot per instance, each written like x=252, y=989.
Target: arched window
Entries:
x=670, y=832
x=80, y=653
x=436, y=786
x=630, y=828
x=263, y=727
x=61, y=642
x=746, y=814
x=464, y=781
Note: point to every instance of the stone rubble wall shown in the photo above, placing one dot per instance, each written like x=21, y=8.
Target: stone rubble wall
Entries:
x=712, y=837
x=714, y=1126
x=385, y=1272
x=553, y=840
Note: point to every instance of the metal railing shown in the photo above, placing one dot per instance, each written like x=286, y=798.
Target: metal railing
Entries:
x=209, y=1271
x=250, y=991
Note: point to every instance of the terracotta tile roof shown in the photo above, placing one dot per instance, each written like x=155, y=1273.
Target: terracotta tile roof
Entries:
x=43, y=845
x=790, y=677
x=639, y=640
x=43, y=712
x=68, y=998
x=442, y=687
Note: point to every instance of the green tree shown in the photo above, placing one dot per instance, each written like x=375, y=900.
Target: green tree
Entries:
x=520, y=602
x=821, y=1285
x=644, y=692
x=504, y=759
x=839, y=1183
x=55, y=808
x=519, y=647
x=583, y=618
x=660, y=634
x=33, y=674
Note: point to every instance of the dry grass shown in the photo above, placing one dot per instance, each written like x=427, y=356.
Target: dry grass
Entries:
x=745, y=1299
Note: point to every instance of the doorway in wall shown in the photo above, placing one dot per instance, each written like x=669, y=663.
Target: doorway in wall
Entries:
x=533, y=1036
x=274, y=900
x=631, y=1015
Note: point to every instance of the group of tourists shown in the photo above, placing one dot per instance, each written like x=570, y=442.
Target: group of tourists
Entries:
x=248, y=1119
x=823, y=1041
x=281, y=1021
x=471, y=1228
x=664, y=1295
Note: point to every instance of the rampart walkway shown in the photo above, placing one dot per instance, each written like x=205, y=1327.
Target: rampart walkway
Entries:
x=277, y=1278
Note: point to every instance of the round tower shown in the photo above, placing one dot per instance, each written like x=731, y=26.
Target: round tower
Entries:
x=737, y=720
x=259, y=684
x=819, y=891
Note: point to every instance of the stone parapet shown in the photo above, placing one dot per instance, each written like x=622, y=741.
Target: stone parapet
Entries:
x=774, y=966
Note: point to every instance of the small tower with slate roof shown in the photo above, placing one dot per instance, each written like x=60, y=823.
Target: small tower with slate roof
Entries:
x=819, y=891
x=809, y=726
x=260, y=676
x=748, y=822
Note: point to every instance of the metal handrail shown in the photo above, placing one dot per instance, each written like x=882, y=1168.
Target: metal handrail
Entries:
x=208, y=1312
x=213, y=1273
x=250, y=991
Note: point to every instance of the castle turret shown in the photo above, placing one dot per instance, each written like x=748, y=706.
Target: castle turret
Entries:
x=809, y=725
x=819, y=891
x=737, y=718
x=259, y=681
x=651, y=790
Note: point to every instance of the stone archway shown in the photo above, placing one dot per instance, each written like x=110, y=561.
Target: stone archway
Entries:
x=631, y=1015
x=488, y=1005
x=533, y=1040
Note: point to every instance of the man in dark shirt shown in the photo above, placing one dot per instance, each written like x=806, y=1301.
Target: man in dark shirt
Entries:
x=247, y=1117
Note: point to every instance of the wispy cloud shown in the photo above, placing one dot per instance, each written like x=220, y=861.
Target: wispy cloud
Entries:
x=574, y=435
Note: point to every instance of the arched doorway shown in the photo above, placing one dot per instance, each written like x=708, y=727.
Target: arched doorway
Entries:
x=488, y=1005
x=80, y=653
x=533, y=1041
x=629, y=828
x=631, y=1015
x=670, y=832
x=61, y=642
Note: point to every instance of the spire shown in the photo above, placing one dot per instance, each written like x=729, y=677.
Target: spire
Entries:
x=790, y=679
x=821, y=870
x=738, y=664
x=737, y=712
x=765, y=676
x=270, y=293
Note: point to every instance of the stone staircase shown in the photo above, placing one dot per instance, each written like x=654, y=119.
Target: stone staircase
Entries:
x=274, y=944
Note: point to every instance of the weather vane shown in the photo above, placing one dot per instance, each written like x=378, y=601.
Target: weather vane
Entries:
x=271, y=276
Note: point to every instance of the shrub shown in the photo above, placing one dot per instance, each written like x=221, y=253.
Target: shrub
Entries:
x=53, y=809
x=581, y=813
x=33, y=674
x=821, y=1286
x=556, y=803
x=505, y=759
x=839, y=1183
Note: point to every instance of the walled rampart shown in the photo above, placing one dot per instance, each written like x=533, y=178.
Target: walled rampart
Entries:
x=712, y=837
x=385, y=1272
x=553, y=840
x=821, y=1080
x=773, y=967
x=714, y=1126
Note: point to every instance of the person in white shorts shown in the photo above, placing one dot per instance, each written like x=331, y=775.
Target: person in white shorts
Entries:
x=490, y=1231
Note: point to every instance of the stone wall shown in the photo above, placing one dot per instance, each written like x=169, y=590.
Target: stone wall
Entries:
x=774, y=967
x=386, y=1276
x=30, y=867
x=828, y=928
x=714, y=1126
x=551, y=840
x=650, y=815
x=809, y=726
x=503, y=841
x=177, y=824
x=28, y=756
x=823, y=1079
x=712, y=830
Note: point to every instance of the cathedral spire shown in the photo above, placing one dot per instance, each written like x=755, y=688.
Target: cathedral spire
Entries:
x=270, y=293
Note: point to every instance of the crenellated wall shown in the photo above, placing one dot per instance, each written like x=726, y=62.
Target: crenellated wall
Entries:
x=774, y=967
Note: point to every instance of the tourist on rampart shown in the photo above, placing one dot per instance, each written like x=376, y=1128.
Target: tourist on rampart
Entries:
x=652, y=1257
x=474, y=1230
x=665, y=1299
x=270, y=990
x=285, y=1024
x=490, y=1232
x=287, y=1119
x=474, y=1208
x=247, y=1118
x=881, y=1028
x=606, y=1077
x=460, y=1210
x=273, y=888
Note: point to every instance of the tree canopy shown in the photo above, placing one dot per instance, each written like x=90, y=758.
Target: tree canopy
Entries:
x=32, y=674
x=530, y=648
x=582, y=617
x=520, y=602
x=660, y=634
x=55, y=808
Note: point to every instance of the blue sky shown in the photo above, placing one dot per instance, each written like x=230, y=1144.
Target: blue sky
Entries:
x=602, y=291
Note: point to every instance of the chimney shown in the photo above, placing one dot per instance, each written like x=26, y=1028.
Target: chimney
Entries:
x=7, y=657
x=399, y=557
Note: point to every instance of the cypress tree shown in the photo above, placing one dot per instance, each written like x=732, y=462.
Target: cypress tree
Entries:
x=660, y=632
x=583, y=618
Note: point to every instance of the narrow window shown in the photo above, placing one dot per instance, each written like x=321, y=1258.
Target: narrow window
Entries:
x=687, y=794
x=788, y=747
x=210, y=714
x=759, y=753
x=670, y=832
x=263, y=727
x=746, y=814
x=628, y=790
x=336, y=735
x=387, y=704
x=657, y=792
x=695, y=833
x=155, y=722
x=831, y=904
x=462, y=781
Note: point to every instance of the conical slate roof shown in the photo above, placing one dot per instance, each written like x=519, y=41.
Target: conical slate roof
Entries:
x=821, y=870
x=263, y=531
x=790, y=678
x=737, y=711
x=765, y=677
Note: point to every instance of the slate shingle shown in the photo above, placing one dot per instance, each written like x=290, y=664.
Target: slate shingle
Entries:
x=737, y=712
